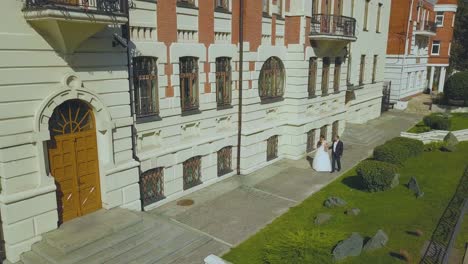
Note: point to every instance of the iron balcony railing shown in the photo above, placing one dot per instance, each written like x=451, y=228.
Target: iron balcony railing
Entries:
x=333, y=25
x=429, y=26
x=114, y=7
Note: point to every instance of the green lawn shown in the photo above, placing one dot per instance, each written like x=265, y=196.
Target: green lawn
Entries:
x=396, y=212
x=459, y=122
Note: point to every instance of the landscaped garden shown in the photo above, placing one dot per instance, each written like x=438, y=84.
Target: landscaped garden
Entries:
x=407, y=217
x=440, y=121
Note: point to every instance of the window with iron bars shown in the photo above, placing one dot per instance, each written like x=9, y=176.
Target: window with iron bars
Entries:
x=152, y=186
x=188, y=72
x=312, y=76
x=192, y=172
x=310, y=140
x=271, y=80
x=224, y=161
x=325, y=75
x=145, y=82
x=223, y=81
x=222, y=4
x=337, y=75
x=272, y=148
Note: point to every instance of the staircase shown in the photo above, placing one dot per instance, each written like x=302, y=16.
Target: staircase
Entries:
x=115, y=236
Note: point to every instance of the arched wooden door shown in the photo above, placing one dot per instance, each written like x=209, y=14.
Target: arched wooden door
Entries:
x=73, y=160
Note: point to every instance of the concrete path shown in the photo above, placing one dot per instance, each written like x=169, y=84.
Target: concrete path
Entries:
x=231, y=211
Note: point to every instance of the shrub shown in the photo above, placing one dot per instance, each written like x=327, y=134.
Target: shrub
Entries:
x=415, y=147
x=456, y=87
x=437, y=121
x=377, y=176
x=434, y=146
x=391, y=153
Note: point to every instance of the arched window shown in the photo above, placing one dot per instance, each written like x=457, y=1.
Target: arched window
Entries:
x=145, y=82
x=192, y=172
x=271, y=80
x=224, y=161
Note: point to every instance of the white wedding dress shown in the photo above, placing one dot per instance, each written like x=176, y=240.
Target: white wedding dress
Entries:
x=322, y=159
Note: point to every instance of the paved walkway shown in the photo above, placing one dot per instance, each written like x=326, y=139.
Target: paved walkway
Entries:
x=231, y=211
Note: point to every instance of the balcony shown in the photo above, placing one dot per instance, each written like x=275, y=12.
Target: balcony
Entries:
x=426, y=29
x=66, y=24
x=333, y=28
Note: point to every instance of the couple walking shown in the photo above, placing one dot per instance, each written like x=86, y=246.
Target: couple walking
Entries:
x=322, y=158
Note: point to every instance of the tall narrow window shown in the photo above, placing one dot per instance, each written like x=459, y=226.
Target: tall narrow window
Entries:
x=192, y=172
x=310, y=141
x=152, y=186
x=335, y=127
x=366, y=14
x=223, y=81
x=312, y=76
x=337, y=75
x=271, y=80
x=272, y=148
x=379, y=14
x=325, y=75
x=315, y=9
x=338, y=7
x=224, y=161
x=324, y=131
x=266, y=7
x=188, y=71
x=145, y=82
x=374, y=69
x=439, y=19
x=362, y=69
x=222, y=4
x=435, y=47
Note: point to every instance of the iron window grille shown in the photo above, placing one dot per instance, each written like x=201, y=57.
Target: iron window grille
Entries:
x=337, y=75
x=145, y=82
x=188, y=71
x=325, y=75
x=335, y=127
x=224, y=161
x=272, y=148
x=324, y=131
x=114, y=7
x=222, y=4
x=271, y=80
x=310, y=140
x=312, y=76
x=223, y=81
x=192, y=172
x=152, y=186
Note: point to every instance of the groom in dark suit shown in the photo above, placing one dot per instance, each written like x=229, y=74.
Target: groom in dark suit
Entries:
x=337, y=152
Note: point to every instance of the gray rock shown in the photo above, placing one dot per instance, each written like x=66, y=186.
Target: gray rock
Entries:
x=351, y=246
x=353, y=211
x=322, y=218
x=379, y=240
x=451, y=143
x=332, y=202
x=414, y=186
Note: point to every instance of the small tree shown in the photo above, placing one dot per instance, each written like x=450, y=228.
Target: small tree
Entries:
x=456, y=87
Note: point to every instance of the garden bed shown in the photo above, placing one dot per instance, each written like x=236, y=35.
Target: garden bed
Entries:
x=458, y=121
x=397, y=211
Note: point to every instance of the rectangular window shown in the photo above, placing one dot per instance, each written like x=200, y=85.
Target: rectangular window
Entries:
x=338, y=9
x=310, y=141
x=362, y=69
x=325, y=75
x=272, y=148
x=145, y=82
x=315, y=9
x=224, y=161
x=312, y=76
x=266, y=7
x=186, y=3
x=324, y=131
x=379, y=14
x=192, y=172
x=337, y=75
x=152, y=186
x=223, y=81
x=335, y=127
x=222, y=4
x=366, y=14
x=435, y=47
x=439, y=19
x=374, y=69
x=188, y=72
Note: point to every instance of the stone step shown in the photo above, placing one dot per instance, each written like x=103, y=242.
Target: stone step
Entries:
x=56, y=256
x=32, y=258
x=195, y=251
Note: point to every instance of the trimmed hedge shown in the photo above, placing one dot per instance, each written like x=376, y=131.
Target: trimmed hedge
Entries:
x=392, y=153
x=377, y=175
x=415, y=147
x=437, y=121
x=456, y=87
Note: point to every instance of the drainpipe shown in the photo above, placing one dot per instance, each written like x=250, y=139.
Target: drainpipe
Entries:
x=406, y=46
x=241, y=69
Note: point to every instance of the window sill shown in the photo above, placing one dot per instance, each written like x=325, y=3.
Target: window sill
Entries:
x=271, y=100
x=324, y=94
x=312, y=96
x=220, y=174
x=366, y=30
x=187, y=5
x=266, y=15
x=147, y=119
x=280, y=17
x=191, y=112
x=222, y=10
x=224, y=107
x=336, y=92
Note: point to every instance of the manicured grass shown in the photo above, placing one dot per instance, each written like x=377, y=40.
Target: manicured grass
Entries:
x=395, y=211
x=462, y=237
x=459, y=122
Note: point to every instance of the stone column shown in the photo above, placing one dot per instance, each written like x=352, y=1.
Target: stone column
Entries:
x=431, y=78
x=442, y=79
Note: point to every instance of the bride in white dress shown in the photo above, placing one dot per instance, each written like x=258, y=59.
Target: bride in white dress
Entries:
x=322, y=159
